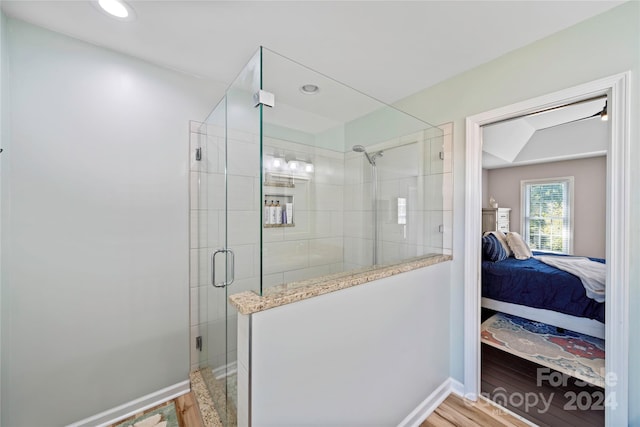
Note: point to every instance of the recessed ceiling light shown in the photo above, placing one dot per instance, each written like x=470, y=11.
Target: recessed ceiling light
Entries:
x=309, y=89
x=117, y=9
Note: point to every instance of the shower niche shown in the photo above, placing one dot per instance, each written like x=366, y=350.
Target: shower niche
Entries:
x=278, y=211
x=318, y=179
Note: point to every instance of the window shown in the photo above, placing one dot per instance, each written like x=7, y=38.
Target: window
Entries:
x=547, y=214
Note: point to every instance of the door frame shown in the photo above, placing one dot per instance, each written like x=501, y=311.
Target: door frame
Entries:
x=617, y=239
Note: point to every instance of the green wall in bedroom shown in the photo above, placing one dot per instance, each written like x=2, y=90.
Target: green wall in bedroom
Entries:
x=602, y=46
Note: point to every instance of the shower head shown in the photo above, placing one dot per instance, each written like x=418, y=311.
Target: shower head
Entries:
x=370, y=157
x=359, y=149
x=377, y=154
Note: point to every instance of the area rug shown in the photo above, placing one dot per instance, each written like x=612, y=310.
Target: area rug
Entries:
x=164, y=416
x=578, y=355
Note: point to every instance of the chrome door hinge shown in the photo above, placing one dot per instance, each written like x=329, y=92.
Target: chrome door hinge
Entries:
x=199, y=343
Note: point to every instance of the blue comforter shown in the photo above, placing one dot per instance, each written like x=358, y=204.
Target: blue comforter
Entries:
x=536, y=284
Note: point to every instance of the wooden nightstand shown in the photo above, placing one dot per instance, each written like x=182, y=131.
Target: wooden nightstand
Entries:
x=496, y=219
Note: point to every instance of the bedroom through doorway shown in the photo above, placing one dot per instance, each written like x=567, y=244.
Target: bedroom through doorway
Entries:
x=543, y=212
x=615, y=91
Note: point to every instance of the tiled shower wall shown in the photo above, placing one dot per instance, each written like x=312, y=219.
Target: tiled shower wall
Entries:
x=209, y=311
x=204, y=229
x=332, y=215
x=445, y=172
x=415, y=167
x=313, y=247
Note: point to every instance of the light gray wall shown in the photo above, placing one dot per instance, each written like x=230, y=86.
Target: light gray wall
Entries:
x=602, y=46
x=95, y=271
x=589, y=208
x=485, y=188
x=361, y=356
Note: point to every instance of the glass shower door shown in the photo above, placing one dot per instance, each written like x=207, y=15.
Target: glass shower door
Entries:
x=228, y=217
x=243, y=212
x=208, y=237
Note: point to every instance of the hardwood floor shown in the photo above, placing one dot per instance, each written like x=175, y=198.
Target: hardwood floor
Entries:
x=551, y=400
x=186, y=409
x=502, y=373
x=456, y=412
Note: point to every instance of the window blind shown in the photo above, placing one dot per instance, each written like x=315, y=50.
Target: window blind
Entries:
x=547, y=224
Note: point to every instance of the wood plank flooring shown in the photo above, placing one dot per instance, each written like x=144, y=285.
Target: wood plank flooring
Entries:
x=500, y=370
x=514, y=382
x=456, y=412
x=186, y=409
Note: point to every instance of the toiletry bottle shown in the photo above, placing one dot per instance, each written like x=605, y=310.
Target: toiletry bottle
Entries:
x=284, y=214
x=266, y=212
x=278, y=212
x=272, y=213
x=289, y=211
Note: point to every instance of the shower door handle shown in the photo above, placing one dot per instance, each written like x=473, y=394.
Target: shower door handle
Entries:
x=231, y=267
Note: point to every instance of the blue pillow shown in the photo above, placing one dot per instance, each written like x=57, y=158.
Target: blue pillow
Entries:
x=492, y=249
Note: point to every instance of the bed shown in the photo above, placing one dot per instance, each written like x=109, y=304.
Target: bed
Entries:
x=537, y=291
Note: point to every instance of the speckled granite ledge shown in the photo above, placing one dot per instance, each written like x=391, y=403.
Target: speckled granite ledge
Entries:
x=249, y=302
x=208, y=413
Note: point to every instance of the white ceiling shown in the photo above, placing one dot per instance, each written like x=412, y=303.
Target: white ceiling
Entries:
x=387, y=49
x=570, y=132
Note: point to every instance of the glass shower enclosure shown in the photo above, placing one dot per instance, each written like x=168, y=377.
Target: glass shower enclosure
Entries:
x=296, y=176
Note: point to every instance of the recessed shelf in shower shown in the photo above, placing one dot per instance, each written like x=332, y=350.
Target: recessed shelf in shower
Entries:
x=278, y=225
x=278, y=211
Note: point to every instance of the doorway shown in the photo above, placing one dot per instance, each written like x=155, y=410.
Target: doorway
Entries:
x=542, y=337
x=616, y=324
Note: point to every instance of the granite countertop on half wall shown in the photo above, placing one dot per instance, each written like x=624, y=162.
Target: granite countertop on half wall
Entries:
x=249, y=302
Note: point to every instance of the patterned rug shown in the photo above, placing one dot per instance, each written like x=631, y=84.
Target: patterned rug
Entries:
x=164, y=416
x=578, y=355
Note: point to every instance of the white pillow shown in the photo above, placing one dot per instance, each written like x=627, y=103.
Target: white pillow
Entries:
x=502, y=239
x=519, y=247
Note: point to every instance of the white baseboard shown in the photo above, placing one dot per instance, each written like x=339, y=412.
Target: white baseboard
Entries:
x=427, y=406
x=457, y=387
x=128, y=409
